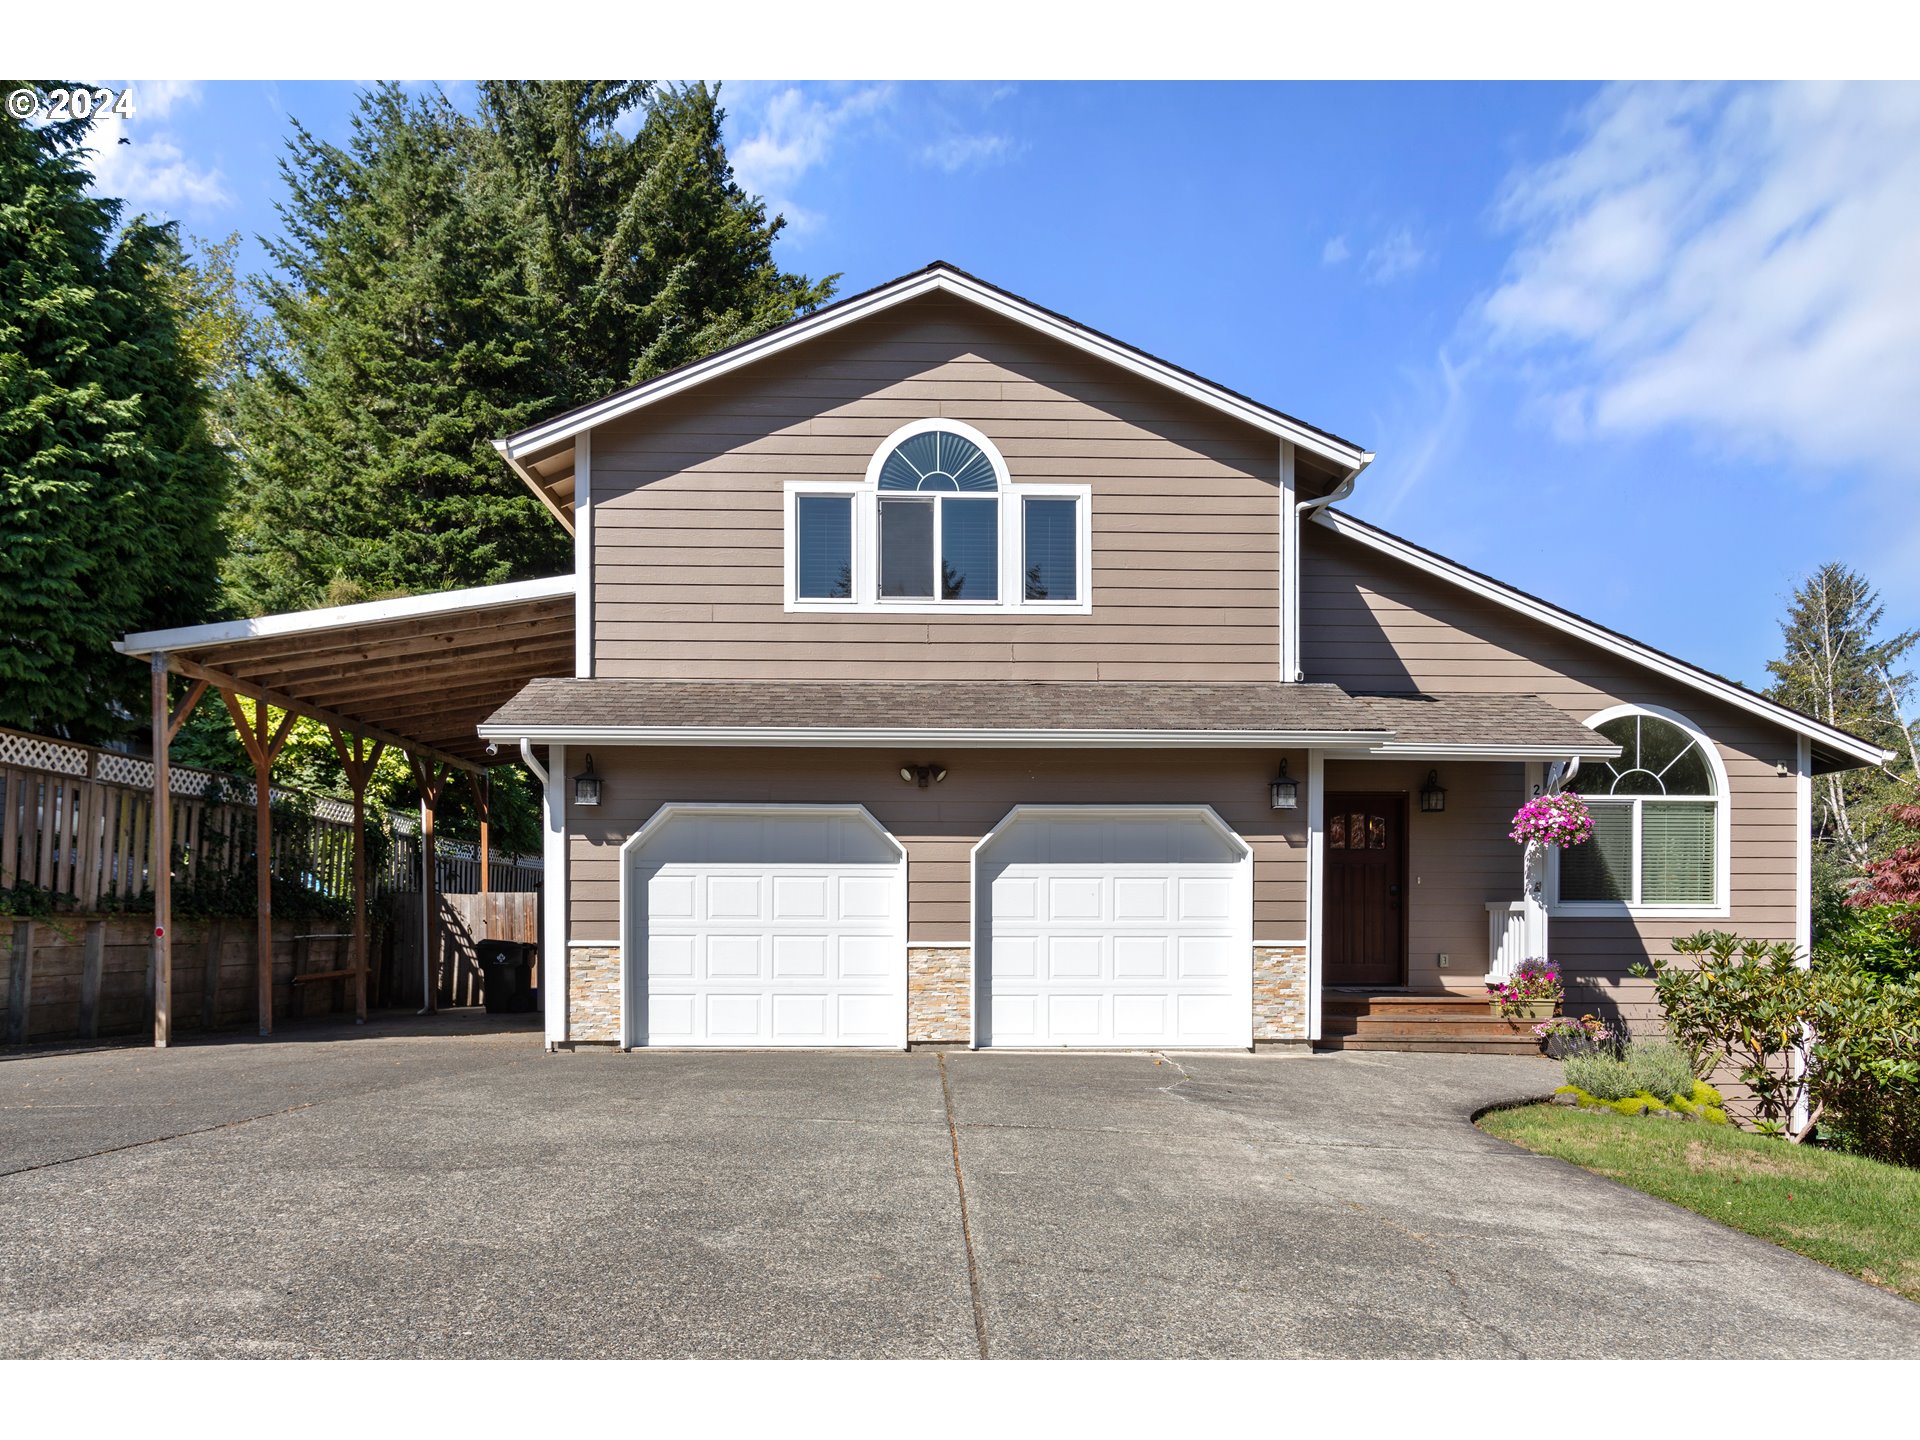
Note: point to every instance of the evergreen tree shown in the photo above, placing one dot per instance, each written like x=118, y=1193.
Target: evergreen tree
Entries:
x=446, y=279
x=111, y=487
x=1838, y=669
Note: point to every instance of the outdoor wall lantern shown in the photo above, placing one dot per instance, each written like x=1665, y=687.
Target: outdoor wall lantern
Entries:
x=1285, y=790
x=1433, y=795
x=923, y=775
x=586, y=785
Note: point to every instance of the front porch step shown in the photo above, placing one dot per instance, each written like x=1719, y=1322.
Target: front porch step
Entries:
x=1419, y=1021
x=1450, y=1045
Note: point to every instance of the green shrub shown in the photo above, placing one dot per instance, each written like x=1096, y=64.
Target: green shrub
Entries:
x=1704, y=1103
x=1656, y=1068
x=1751, y=1006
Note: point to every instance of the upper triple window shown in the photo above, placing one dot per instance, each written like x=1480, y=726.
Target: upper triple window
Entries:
x=938, y=524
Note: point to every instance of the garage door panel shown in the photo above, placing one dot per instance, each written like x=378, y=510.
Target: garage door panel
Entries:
x=732, y=1017
x=733, y=957
x=1075, y=897
x=1140, y=935
x=671, y=897
x=1073, y=957
x=673, y=955
x=800, y=957
x=1140, y=957
x=766, y=929
x=1138, y=897
x=800, y=897
x=735, y=897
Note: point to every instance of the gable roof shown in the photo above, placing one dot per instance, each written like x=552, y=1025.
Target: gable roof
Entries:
x=1833, y=749
x=542, y=455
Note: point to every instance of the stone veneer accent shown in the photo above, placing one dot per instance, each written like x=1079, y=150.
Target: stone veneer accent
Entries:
x=593, y=995
x=1279, y=993
x=939, y=1002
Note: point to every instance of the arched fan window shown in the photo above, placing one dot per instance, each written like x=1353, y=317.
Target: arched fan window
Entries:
x=1657, y=818
x=939, y=520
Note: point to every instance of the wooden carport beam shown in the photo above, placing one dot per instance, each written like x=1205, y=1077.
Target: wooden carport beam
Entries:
x=429, y=777
x=263, y=745
x=358, y=763
x=167, y=721
x=293, y=705
x=482, y=786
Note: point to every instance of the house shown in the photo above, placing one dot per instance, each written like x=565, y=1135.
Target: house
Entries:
x=948, y=673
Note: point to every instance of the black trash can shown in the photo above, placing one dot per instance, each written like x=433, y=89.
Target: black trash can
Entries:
x=508, y=968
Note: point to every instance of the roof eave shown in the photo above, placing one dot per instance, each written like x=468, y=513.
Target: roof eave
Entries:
x=854, y=737
x=933, y=279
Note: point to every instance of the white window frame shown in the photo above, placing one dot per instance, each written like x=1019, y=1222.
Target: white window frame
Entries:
x=866, y=495
x=1720, y=906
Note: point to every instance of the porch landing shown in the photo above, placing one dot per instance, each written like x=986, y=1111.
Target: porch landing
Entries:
x=1432, y=1020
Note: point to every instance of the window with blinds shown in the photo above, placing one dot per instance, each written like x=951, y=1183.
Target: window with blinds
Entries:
x=1656, y=819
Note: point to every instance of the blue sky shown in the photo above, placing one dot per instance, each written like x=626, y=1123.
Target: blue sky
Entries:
x=1648, y=352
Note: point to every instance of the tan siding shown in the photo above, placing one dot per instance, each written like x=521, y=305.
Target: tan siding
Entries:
x=940, y=825
x=1373, y=623
x=688, y=514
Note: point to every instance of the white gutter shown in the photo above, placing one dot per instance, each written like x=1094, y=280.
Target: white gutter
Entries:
x=814, y=737
x=526, y=754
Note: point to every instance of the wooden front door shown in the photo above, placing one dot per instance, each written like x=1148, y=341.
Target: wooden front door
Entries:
x=1364, y=939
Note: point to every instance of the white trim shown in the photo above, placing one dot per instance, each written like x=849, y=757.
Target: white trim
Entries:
x=865, y=499
x=341, y=617
x=1316, y=886
x=1551, y=615
x=939, y=944
x=1243, y=881
x=630, y=947
x=1288, y=599
x=935, y=280
x=1299, y=943
x=555, y=972
x=583, y=557
x=1721, y=907
x=841, y=738
x=1392, y=750
x=1803, y=849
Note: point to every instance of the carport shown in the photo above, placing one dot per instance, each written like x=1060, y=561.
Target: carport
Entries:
x=416, y=674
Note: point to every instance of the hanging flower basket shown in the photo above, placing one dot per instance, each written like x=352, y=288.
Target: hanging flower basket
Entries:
x=1559, y=820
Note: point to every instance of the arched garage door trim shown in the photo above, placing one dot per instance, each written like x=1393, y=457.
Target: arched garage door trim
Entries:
x=633, y=910
x=1242, y=899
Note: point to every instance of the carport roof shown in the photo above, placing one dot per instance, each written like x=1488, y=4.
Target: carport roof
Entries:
x=1005, y=713
x=419, y=672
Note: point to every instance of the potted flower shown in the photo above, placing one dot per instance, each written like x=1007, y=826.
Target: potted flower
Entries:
x=1563, y=1036
x=1560, y=819
x=1532, y=993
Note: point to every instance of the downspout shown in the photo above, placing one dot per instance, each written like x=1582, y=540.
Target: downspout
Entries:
x=1333, y=496
x=526, y=754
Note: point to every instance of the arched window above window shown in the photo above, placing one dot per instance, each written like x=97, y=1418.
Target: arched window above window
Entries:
x=1659, y=818
x=937, y=460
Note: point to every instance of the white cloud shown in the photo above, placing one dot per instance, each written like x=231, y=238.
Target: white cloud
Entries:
x=789, y=132
x=1335, y=251
x=1736, y=263
x=151, y=168
x=966, y=152
x=1397, y=255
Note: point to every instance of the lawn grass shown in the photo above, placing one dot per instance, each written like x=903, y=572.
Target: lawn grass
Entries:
x=1857, y=1215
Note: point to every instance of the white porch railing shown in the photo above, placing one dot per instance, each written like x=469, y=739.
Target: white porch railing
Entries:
x=1506, y=938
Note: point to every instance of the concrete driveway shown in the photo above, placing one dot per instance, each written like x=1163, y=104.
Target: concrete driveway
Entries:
x=404, y=1191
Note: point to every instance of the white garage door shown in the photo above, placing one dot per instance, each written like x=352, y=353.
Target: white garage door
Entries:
x=764, y=928
x=1125, y=930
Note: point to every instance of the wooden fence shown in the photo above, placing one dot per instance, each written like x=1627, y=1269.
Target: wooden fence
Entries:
x=78, y=821
x=465, y=921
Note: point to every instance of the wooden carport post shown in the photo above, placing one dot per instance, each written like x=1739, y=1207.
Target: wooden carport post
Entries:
x=166, y=725
x=482, y=784
x=263, y=744
x=429, y=777
x=358, y=765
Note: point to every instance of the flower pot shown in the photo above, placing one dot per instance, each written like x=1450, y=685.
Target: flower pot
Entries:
x=1559, y=1047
